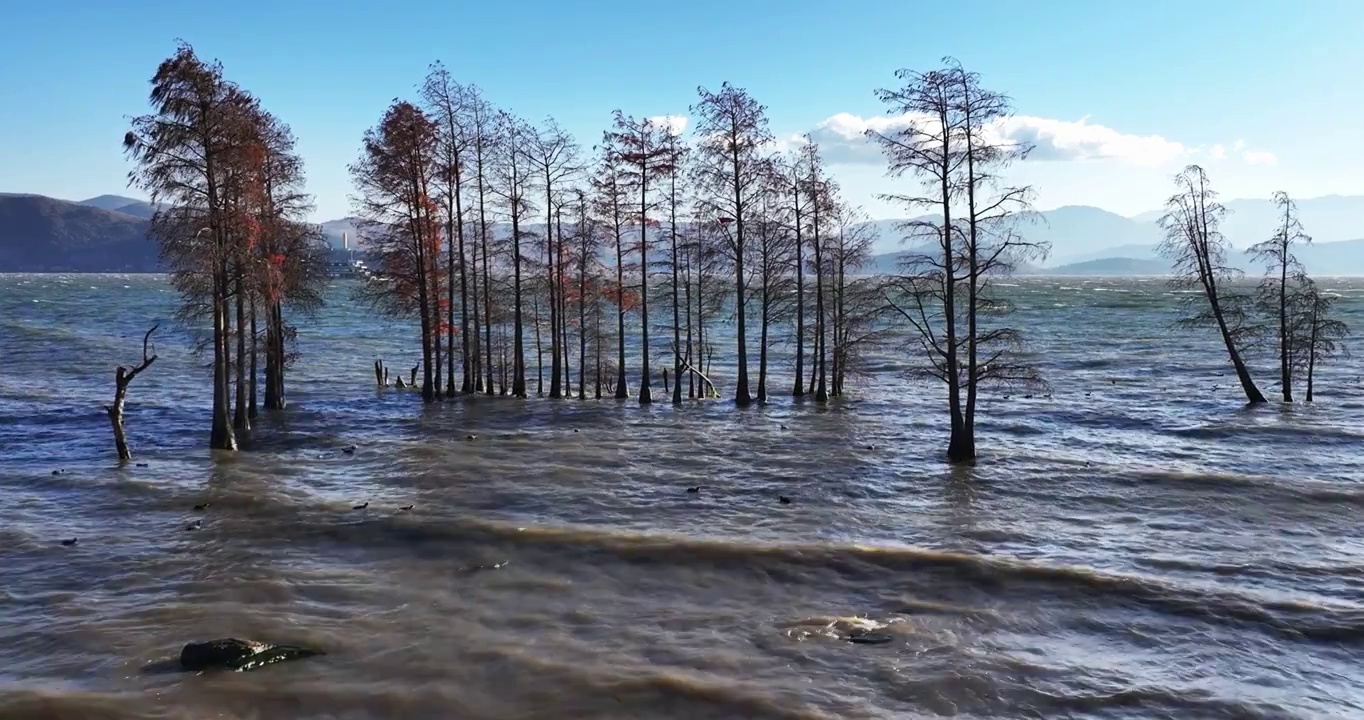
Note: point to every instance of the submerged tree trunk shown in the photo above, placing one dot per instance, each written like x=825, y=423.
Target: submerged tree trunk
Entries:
x=221, y=436
x=799, y=390
x=621, y=391
x=122, y=378
x=251, y=388
x=240, y=421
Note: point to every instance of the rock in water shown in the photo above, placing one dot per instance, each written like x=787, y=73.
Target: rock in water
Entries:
x=238, y=655
x=866, y=637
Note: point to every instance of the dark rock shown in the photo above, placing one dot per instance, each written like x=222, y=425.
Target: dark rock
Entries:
x=695, y=490
x=349, y=450
x=871, y=638
x=405, y=508
x=471, y=437
x=196, y=525
x=238, y=655
x=201, y=507
x=783, y=500
x=140, y=464
x=361, y=507
x=58, y=472
x=70, y=542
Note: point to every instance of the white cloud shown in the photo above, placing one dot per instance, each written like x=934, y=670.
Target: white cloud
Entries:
x=842, y=138
x=676, y=124
x=1259, y=157
x=1217, y=152
x=1238, y=146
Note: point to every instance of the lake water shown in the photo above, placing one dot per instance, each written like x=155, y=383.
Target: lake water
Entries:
x=1138, y=544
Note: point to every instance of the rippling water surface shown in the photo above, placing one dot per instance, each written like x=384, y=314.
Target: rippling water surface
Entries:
x=1138, y=544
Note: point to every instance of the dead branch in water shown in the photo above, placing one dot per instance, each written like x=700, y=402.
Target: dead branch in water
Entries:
x=122, y=378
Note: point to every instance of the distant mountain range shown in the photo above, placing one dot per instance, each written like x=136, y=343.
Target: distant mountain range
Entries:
x=108, y=234
x=41, y=234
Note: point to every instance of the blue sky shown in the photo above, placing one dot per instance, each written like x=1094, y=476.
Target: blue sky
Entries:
x=1118, y=94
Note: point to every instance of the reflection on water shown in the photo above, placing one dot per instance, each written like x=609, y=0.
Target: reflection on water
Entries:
x=1135, y=545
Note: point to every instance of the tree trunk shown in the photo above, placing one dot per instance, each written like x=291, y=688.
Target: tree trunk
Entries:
x=798, y=390
x=221, y=436
x=240, y=421
x=487, y=282
x=467, y=380
x=116, y=418
x=1253, y=394
x=621, y=391
x=821, y=388
x=582, y=325
x=555, y=367
x=762, y=341
x=539, y=350
x=645, y=394
x=1285, y=370
x=961, y=446
x=251, y=388
x=518, y=320
x=677, y=312
x=281, y=397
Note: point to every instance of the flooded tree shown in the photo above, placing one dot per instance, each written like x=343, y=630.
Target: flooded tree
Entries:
x=857, y=311
x=1314, y=335
x=945, y=293
x=1282, y=273
x=728, y=171
x=554, y=156
x=646, y=156
x=394, y=177
x=289, y=257
x=1194, y=241
x=611, y=199
x=123, y=377
x=821, y=201
x=448, y=105
x=774, y=246
x=512, y=180
x=181, y=152
x=678, y=152
x=794, y=179
x=480, y=125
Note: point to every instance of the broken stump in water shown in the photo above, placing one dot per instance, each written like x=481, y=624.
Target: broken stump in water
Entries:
x=238, y=655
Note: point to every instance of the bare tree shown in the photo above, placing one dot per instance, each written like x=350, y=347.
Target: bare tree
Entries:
x=514, y=169
x=795, y=185
x=856, y=314
x=678, y=151
x=123, y=377
x=728, y=172
x=554, y=156
x=1314, y=336
x=1194, y=241
x=948, y=143
x=646, y=156
x=610, y=200
x=775, y=250
x=1282, y=272
x=448, y=106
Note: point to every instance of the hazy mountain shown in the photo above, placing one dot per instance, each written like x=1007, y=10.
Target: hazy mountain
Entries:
x=1080, y=234
x=1115, y=266
x=41, y=234
x=111, y=202
x=1075, y=233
